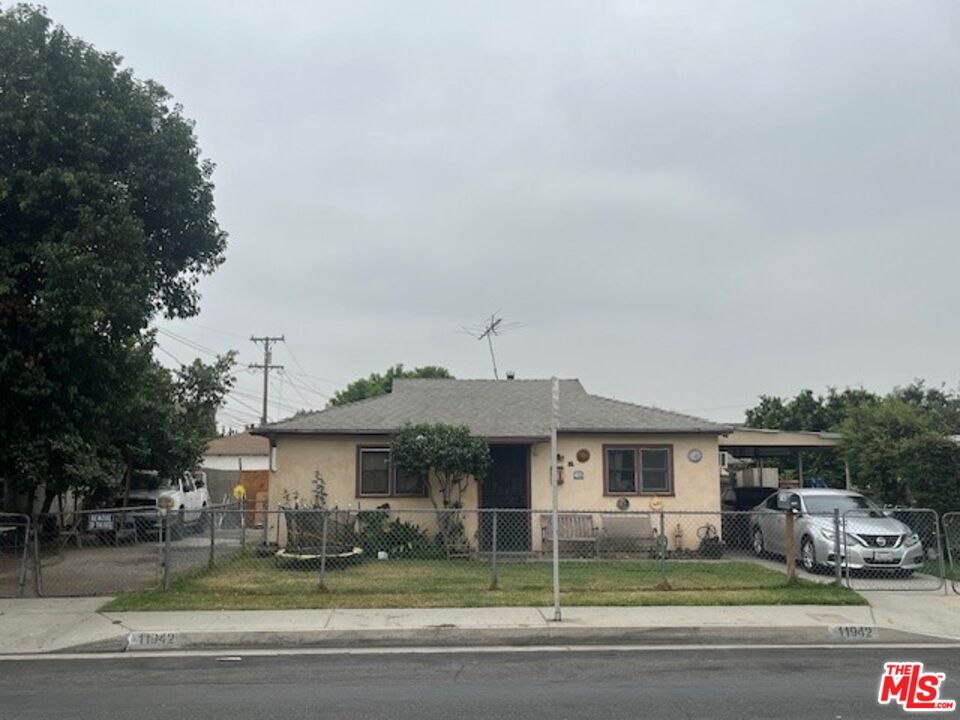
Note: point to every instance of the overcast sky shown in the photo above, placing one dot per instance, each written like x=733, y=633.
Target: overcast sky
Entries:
x=687, y=204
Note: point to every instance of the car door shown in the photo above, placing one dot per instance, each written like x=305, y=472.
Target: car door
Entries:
x=190, y=496
x=767, y=520
x=776, y=542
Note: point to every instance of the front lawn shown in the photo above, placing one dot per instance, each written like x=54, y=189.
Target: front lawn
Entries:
x=253, y=583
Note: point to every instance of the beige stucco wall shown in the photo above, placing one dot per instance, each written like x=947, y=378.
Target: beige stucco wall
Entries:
x=298, y=458
x=696, y=485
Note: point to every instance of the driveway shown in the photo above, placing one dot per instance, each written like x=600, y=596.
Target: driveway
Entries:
x=103, y=570
x=859, y=581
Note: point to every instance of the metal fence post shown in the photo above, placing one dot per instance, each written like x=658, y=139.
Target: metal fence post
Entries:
x=493, y=552
x=22, y=579
x=166, y=525
x=266, y=523
x=211, y=519
x=243, y=527
x=323, y=553
x=837, y=555
x=940, y=552
x=37, y=569
x=790, y=544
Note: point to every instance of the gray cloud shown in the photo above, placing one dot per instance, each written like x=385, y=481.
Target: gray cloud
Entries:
x=687, y=203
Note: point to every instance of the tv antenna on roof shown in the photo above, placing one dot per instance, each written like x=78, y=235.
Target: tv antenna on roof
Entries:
x=490, y=327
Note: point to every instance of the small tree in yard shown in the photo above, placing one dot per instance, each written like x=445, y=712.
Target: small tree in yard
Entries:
x=445, y=456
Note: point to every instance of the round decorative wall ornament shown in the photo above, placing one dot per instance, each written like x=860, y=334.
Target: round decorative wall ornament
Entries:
x=695, y=455
x=656, y=504
x=622, y=503
x=583, y=455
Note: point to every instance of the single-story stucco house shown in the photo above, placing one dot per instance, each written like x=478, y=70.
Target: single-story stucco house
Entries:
x=613, y=454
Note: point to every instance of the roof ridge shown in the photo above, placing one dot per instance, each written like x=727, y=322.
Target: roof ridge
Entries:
x=657, y=409
x=329, y=408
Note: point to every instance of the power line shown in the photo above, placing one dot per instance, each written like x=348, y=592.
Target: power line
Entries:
x=188, y=342
x=169, y=354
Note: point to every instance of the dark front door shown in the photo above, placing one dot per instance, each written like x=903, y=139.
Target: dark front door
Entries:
x=507, y=488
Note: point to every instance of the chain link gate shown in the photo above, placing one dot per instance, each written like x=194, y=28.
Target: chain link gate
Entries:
x=895, y=549
x=951, y=536
x=15, y=554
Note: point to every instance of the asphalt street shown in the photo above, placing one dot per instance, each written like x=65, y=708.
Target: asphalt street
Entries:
x=819, y=682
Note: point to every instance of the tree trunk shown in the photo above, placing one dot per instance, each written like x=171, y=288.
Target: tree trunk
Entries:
x=48, y=497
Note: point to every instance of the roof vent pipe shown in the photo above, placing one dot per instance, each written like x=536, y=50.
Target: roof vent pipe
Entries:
x=511, y=374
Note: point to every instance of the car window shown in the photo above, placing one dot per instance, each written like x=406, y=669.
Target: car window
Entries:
x=187, y=484
x=772, y=502
x=844, y=503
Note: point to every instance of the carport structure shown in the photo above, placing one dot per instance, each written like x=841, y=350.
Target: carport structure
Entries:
x=759, y=445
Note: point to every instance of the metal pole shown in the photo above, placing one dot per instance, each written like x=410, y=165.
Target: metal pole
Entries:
x=790, y=543
x=166, y=549
x=493, y=553
x=22, y=580
x=846, y=475
x=323, y=553
x=555, y=533
x=837, y=554
x=211, y=519
x=243, y=525
x=37, y=568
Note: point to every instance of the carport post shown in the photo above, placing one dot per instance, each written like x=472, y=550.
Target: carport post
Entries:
x=837, y=569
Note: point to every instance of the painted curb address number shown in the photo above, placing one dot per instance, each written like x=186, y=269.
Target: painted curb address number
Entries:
x=854, y=632
x=153, y=640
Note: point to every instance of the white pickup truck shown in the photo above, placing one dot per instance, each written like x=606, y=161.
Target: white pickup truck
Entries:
x=183, y=499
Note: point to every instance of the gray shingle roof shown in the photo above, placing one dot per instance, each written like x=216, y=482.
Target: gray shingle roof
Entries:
x=491, y=409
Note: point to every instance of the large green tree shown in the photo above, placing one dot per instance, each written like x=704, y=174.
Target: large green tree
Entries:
x=376, y=384
x=106, y=219
x=899, y=451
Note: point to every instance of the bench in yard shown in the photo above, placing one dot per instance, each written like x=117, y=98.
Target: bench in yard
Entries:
x=576, y=534
x=626, y=535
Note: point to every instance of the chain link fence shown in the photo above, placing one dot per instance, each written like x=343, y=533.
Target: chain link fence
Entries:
x=414, y=557
x=897, y=549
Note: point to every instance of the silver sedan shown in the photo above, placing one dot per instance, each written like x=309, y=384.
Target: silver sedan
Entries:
x=870, y=538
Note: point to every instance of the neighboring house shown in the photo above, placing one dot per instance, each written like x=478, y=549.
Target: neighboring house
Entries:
x=242, y=458
x=613, y=454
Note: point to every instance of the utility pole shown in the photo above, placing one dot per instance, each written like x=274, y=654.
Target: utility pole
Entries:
x=267, y=340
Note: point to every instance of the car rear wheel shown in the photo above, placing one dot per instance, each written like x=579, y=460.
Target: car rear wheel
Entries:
x=808, y=554
x=759, y=549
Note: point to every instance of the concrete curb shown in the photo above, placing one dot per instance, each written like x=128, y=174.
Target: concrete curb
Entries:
x=457, y=637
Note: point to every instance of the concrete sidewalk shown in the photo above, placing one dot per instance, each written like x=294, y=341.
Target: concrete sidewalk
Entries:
x=59, y=625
